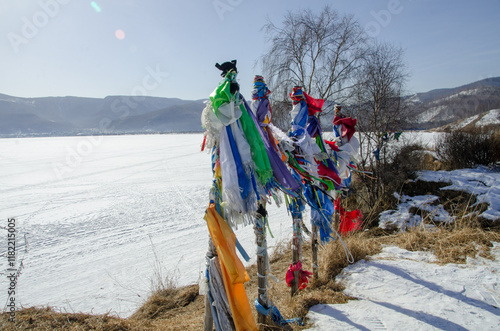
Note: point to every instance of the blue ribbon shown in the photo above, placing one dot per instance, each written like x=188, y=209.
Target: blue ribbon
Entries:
x=275, y=315
x=243, y=181
x=302, y=116
x=242, y=251
x=321, y=212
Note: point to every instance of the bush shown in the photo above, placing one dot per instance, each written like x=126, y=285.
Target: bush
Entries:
x=461, y=149
x=374, y=193
x=406, y=160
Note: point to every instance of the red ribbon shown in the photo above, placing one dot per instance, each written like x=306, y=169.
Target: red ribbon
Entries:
x=313, y=105
x=333, y=145
x=348, y=126
x=204, y=142
x=304, y=275
x=349, y=220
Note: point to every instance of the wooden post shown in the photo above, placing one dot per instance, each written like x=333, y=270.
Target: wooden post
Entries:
x=336, y=218
x=208, y=321
x=297, y=248
x=314, y=247
x=262, y=257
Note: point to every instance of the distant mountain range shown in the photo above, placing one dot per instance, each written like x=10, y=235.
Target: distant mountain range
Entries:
x=487, y=121
x=56, y=116
x=441, y=107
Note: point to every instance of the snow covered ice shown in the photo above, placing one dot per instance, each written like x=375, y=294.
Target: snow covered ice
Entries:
x=95, y=211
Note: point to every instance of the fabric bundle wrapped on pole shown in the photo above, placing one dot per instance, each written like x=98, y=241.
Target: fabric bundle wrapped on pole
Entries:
x=242, y=171
x=262, y=112
x=237, y=147
x=260, y=108
x=232, y=270
x=262, y=261
x=303, y=160
x=345, y=148
x=248, y=170
x=312, y=161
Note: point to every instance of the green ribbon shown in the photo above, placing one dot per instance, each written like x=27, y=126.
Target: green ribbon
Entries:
x=294, y=164
x=259, y=153
x=221, y=95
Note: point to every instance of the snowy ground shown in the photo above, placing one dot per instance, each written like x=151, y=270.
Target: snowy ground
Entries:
x=398, y=289
x=402, y=290
x=96, y=210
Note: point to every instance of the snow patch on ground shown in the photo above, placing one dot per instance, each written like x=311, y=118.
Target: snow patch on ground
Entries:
x=481, y=181
x=402, y=218
x=402, y=290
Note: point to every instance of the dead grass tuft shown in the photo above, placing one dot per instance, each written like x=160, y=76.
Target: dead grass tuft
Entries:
x=47, y=319
x=165, y=303
x=334, y=260
x=449, y=245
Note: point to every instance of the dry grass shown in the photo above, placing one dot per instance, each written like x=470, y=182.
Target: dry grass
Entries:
x=449, y=245
x=48, y=319
x=182, y=308
x=334, y=259
x=168, y=303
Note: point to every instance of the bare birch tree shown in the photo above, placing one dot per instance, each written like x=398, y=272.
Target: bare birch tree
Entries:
x=380, y=109
x=320, y=52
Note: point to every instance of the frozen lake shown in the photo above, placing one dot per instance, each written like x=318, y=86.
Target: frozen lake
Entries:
x=104, y=215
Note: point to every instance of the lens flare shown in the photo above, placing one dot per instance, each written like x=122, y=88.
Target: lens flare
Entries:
x=95, y=6
x=119, y=34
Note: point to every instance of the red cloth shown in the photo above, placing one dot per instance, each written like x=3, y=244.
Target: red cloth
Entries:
x=348, y=126
x=333, y=145
x=304, y=275
x=204, y=142
x=349, y=220
x=297, y=94
x=314, y=105
x=324, y=171
x=336, y=205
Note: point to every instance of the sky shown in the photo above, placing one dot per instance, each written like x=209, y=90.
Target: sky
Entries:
x=169, y=48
